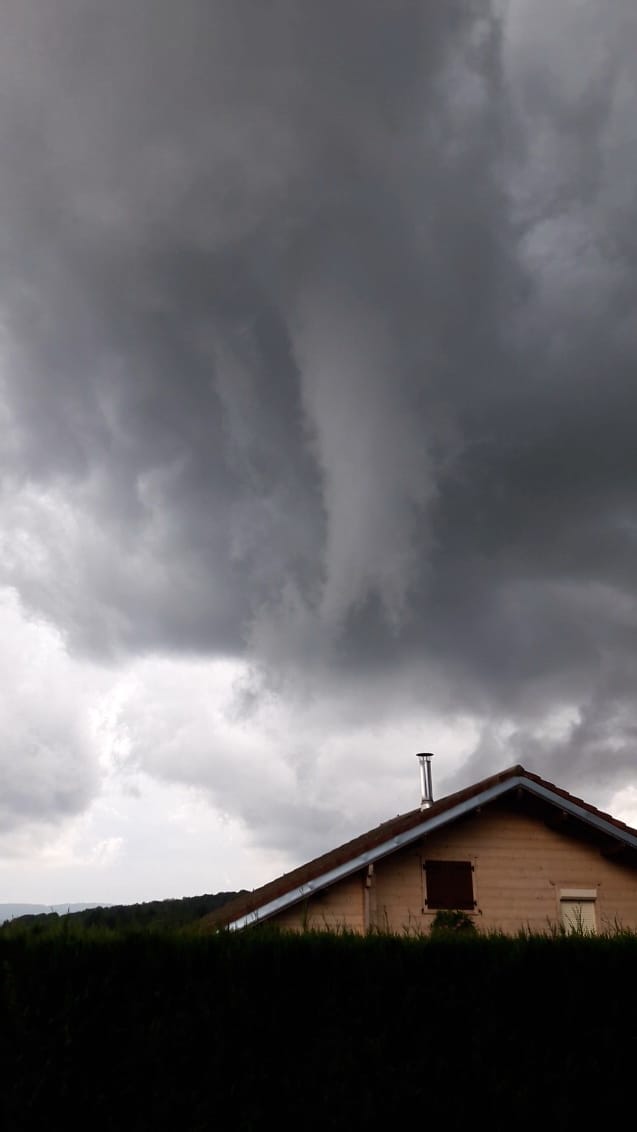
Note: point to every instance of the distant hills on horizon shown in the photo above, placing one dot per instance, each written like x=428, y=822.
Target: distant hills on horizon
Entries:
x=153, y=914
x=13, y=911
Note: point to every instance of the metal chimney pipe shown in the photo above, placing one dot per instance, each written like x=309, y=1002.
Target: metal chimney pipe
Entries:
x=426, y=788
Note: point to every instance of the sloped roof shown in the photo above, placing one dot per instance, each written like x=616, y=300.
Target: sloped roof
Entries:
x=402, y=830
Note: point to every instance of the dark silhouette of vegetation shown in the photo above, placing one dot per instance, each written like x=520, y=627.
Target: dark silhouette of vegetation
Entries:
x=152, y=1029
x=447, y=920
x=153, y=915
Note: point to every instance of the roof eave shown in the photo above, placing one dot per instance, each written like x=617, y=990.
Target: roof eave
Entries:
x=570, y=806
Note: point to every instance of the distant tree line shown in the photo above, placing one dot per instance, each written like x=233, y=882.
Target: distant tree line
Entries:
x=154, y=914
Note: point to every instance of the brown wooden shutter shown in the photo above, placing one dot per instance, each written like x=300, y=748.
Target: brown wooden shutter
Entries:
x=449, y=884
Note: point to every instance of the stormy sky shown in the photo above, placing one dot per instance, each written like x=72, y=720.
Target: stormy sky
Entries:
x=318, y=396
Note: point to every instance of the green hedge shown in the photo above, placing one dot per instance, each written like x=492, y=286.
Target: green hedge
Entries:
x=143, y=1031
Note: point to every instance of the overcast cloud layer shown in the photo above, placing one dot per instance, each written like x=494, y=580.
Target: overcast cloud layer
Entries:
x=317, y=411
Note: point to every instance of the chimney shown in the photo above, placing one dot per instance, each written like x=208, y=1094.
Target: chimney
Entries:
x=426, y=789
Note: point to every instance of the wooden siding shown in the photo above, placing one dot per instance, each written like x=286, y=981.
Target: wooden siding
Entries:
x=339, y=907
x=520, y=865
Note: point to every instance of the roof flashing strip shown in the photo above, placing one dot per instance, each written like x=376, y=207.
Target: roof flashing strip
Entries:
x=428, y=824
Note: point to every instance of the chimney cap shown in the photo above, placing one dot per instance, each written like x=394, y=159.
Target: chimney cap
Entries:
x=425, y=755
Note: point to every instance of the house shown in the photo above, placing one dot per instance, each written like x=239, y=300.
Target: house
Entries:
x=512, y=851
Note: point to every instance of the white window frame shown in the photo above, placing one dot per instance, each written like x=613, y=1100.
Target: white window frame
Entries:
x=573, y=899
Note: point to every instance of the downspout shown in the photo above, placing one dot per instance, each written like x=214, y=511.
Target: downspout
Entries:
x=369, y=899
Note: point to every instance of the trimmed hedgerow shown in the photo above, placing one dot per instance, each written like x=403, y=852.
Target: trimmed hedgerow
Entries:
x=143, y=1030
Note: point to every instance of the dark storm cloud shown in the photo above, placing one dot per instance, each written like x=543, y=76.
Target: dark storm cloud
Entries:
x=319, y=319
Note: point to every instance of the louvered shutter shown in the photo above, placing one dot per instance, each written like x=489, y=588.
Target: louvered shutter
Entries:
x=449, y=884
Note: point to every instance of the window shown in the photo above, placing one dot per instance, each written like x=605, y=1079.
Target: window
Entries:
x=449, y=884
x=577, y=910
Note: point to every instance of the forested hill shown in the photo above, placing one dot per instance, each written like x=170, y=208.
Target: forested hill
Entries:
x=153, y=914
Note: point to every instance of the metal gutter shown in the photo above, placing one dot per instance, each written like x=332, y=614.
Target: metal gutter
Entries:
x=427, y=825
